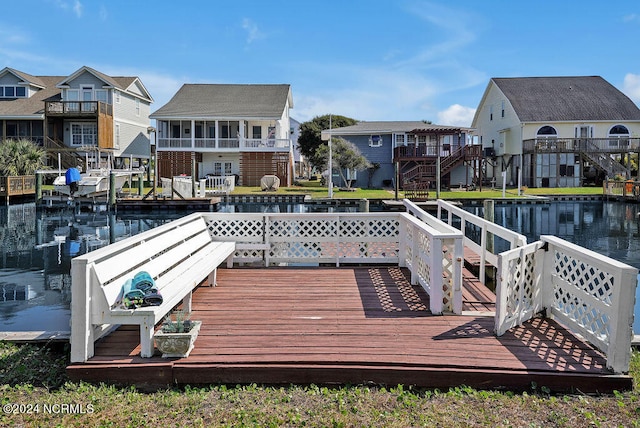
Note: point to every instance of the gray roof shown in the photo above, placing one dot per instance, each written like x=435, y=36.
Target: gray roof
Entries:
x=547, y=99
x=33, y=80
x=387, y=127
x=34, y=105
x=226, y=101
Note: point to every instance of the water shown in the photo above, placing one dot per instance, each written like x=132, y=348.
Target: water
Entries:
x=37, y=246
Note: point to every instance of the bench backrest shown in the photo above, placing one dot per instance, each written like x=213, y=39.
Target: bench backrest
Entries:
x=156, y=251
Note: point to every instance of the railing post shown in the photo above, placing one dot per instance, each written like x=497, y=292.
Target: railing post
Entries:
x=619, y=352
x=82, y=336
x=435, y=277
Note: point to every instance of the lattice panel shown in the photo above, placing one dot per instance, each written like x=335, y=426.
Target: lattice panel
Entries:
x=581, y=312
x=236, y=228
x=314, y=228
x=409, y=244
x=369, y=228
x=520, y=285
x=589, y=279
x=296, y=250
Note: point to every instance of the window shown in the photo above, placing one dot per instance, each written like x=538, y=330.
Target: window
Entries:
x=256, y=132
x=502, y=113
x=117, y=97
x=547, y=132
x=101, y=95
x=375, y=141
x=117, y=142
x=490, y=112
x=13, y=92
x=619, y=136
x=137, y=107
x=83, y=134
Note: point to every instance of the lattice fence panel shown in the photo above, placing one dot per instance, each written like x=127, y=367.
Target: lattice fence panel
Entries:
x=582, y=277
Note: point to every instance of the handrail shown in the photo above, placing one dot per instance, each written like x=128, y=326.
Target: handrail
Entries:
x=487, y=229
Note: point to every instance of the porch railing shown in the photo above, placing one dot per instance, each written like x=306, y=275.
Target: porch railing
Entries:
x=53, y=108
x=478, y=232
x=611, y=144
x=232, y=144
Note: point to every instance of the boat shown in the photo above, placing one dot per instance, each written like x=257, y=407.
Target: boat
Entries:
x=94, y=182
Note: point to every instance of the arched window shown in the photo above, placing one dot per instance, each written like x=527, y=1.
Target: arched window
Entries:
x=547, y=132
x=619, y=136
x=619, y=130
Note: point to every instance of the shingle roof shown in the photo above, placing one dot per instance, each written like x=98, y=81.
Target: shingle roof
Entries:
x=226, y=101
x=546, y=99
x=386, y=127
x=34, y=105
x=36, y=81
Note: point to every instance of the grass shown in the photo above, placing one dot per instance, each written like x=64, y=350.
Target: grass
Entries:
x=53, y=401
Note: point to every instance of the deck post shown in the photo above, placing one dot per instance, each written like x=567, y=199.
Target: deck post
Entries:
x=82, y=336
x=619, y=352
x=112, y=189
x=435, y=277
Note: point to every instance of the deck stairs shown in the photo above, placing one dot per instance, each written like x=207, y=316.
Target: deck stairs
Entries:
x=604, y=162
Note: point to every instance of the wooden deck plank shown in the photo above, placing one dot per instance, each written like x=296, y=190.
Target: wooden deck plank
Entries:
x=350, y=325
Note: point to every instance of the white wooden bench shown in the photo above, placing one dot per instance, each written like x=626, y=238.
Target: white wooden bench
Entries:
x=178, y=256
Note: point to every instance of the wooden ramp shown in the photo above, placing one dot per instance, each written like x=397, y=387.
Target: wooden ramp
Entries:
x=349, y=326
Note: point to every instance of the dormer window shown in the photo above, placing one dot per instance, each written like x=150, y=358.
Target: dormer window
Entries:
x=375, y=141
x=13, y=92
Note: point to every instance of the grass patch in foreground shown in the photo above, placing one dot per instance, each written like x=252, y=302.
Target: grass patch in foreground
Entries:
x=253, y=405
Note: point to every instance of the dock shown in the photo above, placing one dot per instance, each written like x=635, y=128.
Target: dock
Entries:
x=351, y=325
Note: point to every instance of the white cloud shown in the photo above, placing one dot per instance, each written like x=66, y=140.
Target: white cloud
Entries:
x=104, y=14
x=253, y=33
x=456, y=115
x=631, y=17
x=631, y=86
x=77, y=8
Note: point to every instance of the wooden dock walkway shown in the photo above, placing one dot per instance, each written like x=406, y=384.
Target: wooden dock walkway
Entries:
x=351, y=325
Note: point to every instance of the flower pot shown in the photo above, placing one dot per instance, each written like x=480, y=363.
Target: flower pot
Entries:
x=177, y=344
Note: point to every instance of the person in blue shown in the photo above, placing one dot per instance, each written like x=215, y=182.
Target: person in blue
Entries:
x=71, y=178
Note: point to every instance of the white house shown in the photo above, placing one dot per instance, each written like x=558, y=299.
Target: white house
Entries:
x=242, y=130
x=555, y=131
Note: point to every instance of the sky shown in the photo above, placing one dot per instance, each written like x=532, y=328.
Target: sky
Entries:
x=368, y=60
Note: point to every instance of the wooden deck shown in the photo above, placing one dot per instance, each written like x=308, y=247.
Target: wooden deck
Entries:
x=351, y=326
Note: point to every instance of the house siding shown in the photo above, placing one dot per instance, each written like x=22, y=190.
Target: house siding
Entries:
x=382, y=155
x=9, y=79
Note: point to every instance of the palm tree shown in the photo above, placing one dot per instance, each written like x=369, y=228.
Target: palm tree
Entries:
x=20, y=157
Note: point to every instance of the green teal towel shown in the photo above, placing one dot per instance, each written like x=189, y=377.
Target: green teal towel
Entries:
x=143, y=281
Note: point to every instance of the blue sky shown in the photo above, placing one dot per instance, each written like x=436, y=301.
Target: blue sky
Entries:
x=369, y=60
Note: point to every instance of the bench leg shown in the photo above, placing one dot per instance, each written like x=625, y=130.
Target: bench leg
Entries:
x=213, y=278
x=186, y=302
x=146, y=338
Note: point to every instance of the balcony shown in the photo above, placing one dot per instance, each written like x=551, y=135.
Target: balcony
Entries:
x=224, y=144
x=77, y=108
x=576, y=145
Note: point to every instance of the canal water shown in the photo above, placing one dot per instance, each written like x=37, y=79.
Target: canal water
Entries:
x=38, y=245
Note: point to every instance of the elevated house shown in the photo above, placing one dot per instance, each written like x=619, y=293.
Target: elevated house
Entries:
x=417, y=148
x=223, y=130
x=86, y=118
x=556, y=131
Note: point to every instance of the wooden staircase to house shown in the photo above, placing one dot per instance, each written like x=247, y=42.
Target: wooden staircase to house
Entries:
x=603, y=161
x=425, y=169
x=69, y=158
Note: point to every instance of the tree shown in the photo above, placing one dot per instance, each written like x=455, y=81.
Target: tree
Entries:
x=20, y=157
x=310, y=135
x=344, y=156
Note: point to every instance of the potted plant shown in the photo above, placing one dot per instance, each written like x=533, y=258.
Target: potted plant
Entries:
x=177, y=335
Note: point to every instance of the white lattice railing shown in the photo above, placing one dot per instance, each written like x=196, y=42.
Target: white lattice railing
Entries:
x=592, y=295
x=390, y=238
x=487, y=230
